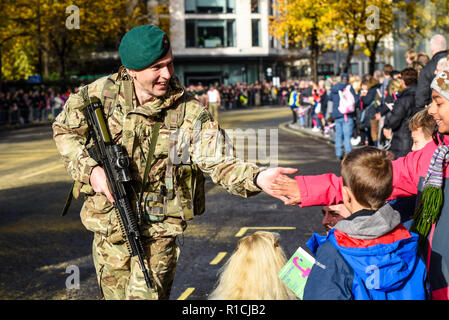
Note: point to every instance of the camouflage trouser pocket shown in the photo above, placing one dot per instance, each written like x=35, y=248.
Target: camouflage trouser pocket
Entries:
x=120, y=276
x=96, y=214
x=112, y=267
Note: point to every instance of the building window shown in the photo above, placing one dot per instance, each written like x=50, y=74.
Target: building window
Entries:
x=254, y=6
x=354, y=68
x=210, y=33
x=325, y=69
x=255, y=29
x=209, y=6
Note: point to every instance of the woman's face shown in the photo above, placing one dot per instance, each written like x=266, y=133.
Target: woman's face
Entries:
x=439, y=110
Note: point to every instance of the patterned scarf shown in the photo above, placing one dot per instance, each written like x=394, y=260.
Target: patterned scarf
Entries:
x=431, y=200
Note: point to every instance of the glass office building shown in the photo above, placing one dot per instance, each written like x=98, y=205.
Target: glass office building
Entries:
x=224, y=41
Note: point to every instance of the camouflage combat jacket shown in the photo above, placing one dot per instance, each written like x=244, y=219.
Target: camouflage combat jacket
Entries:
x=131, y=125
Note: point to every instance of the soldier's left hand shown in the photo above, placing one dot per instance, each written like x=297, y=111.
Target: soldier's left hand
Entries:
x=266, y=179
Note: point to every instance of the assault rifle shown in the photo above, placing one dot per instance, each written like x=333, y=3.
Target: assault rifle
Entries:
x=115, y=162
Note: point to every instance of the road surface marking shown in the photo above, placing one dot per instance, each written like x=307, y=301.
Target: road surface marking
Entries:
x=218, y=258
x=40, y=172
x=243, y=230
x=186, y=293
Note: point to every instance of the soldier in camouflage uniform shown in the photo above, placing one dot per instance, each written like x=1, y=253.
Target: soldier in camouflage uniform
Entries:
x=143, y=91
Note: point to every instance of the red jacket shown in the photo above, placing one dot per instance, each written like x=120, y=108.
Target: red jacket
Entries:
x=408, y=173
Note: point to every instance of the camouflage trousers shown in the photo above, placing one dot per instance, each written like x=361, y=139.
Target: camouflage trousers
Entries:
x=120, y=276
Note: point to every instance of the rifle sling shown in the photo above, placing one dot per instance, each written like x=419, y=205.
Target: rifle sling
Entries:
x=150, y=154
x=68, y=200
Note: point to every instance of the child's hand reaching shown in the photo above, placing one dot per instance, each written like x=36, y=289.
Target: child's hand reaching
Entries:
x=287, y=188
x=266, y=179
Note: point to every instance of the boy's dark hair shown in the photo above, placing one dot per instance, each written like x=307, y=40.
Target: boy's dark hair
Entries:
x=410, y=76
x=368, y=173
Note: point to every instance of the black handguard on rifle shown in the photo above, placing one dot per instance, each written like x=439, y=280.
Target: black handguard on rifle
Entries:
x=115, y=162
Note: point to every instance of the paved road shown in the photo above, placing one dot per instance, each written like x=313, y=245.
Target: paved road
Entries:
x=37, y=246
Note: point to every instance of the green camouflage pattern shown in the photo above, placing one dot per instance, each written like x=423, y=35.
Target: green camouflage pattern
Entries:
x=120, y=277
x=131, y=126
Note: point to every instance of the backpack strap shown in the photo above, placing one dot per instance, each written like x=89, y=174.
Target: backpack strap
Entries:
x=150, y=154
x=173, y=121
x=109, y=95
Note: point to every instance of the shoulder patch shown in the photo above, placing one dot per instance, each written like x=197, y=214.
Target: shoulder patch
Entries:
x=205, y=116
x=202, y=118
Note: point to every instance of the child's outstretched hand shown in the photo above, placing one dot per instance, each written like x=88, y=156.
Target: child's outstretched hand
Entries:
x=266, y=179
x=287, y=188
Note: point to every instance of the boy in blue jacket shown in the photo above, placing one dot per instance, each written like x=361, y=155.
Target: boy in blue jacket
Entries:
x=368, y=255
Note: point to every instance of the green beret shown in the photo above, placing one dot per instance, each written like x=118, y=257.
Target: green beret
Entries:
x=142, y=46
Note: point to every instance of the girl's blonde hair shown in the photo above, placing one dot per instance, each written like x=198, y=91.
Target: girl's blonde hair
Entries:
x=395, y=86
x=251, y=272
x=411, y=54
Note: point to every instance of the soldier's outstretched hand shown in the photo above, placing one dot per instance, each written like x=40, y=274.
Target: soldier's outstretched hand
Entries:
x=99, y=182
x=266, y=180
x=287, y=188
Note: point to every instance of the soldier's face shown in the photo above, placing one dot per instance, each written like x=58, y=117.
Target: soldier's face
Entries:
x=154, y=79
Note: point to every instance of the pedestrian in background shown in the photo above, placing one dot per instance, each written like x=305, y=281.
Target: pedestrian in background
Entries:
x=214, y=101
x=344, y=125
x=293, y=103
x=403, y=109
x=438, y=48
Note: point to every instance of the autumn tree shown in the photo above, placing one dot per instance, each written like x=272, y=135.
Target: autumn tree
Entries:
x=67, y=27
x=41, y=34
x=350, y=22
x=308, y=23
x=379, y=24
x=418, y=20
x=17, y=41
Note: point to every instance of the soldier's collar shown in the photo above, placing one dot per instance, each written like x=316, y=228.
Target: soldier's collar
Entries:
x=153, y=108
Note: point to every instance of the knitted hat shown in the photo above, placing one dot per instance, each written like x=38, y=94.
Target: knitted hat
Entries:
x=142, y=46
x=441, y=83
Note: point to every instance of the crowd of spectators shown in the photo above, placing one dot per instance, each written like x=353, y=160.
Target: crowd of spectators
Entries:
x=19, y=106
x=244, y=94
x=382, y=103
x=311, y=103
